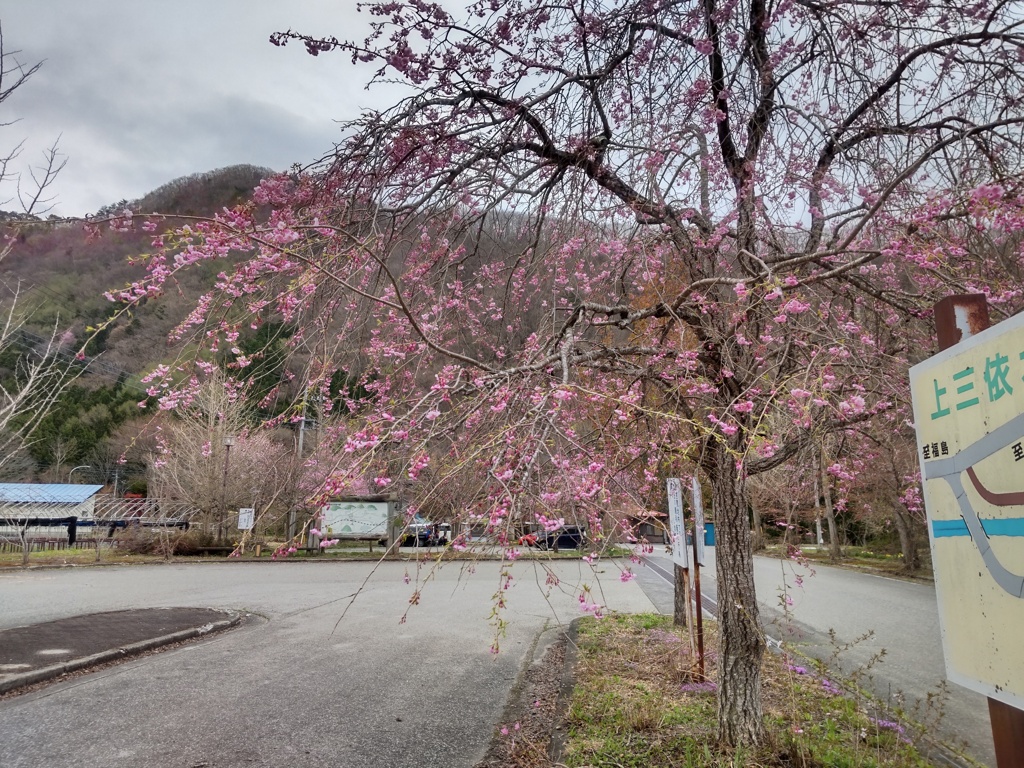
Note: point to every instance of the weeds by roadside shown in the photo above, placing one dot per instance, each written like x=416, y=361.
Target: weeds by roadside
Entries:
x=638, y=702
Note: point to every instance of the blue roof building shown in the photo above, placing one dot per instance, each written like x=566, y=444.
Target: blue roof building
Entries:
x=46, y=493
x=22, y=501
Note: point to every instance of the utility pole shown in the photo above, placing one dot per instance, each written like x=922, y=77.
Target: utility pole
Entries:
x=229, y=440
x=302, y=434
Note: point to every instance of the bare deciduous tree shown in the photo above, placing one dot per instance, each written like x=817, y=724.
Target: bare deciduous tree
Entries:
x=212, y=454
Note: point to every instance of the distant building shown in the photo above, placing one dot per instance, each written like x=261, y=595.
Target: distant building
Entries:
x=38, y=507
x=47, y=500
x=649, y=525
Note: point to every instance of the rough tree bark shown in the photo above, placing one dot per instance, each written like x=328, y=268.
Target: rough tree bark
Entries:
x=835, y=552
x=908, y=543
x=740, y=718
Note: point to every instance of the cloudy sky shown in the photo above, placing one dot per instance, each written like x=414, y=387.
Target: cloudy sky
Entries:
x=140, y=92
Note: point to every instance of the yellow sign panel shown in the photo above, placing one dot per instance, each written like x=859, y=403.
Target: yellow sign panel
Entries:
x=969, y=414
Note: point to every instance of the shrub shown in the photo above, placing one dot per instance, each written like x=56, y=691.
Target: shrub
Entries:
x=136, y=540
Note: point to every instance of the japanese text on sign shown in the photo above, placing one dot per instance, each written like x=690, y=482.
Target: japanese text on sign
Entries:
x=963, y=390
x=675, y=518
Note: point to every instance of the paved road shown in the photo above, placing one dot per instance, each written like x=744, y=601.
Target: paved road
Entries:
x=289, y=689
x=902, y=615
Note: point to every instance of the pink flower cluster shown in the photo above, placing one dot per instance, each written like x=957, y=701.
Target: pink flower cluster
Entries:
x=282, y=552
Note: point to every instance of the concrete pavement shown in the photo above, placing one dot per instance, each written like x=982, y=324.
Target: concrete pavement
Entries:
x=843, y=600
x=405, y=678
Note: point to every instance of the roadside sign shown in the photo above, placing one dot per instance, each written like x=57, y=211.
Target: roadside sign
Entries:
x=698, y=520
x=969, y=415
x=675, y=520
x=246, y=518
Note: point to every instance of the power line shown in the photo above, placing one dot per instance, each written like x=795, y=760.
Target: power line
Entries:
x=30, y=342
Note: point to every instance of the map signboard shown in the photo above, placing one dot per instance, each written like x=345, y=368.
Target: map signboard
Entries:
x=348, y=519
x=969, y=415
x=675, y=523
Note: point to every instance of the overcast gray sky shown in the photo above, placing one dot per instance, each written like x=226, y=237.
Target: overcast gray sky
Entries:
x=144, y=91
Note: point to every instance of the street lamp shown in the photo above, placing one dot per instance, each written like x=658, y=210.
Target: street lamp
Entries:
x=83, y=466
x=229, y=440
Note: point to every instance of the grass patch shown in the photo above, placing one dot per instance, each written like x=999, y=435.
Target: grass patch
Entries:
x=863, y=558
x=73, y=556
x=638, y=702
x=86, y=555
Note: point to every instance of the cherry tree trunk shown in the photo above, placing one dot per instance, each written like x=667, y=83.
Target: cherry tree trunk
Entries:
x=835, y=552
x=908, y=543
x=741, y=645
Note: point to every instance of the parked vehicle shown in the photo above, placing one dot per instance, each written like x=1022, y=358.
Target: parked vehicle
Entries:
x=566, y=537
x=420, y=532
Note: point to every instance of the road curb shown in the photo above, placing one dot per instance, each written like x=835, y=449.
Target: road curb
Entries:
x=559, y=735
x=329, y=559
x=14, y=682
x=555, y=688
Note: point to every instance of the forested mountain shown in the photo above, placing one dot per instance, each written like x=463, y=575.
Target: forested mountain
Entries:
x=59, y=273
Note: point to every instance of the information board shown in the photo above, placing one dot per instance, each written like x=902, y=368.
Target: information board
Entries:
x=346, y=519
x=246, y=518
x=969, y=417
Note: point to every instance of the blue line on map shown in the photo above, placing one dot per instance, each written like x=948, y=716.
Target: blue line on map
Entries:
x=943, y=528
x=1012, y=526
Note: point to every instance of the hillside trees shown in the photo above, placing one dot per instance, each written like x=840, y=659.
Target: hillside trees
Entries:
x=81, y=418
x=32, y=376
x=726, y=216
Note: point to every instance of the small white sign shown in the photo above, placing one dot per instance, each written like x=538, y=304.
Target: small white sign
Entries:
x=698, y=520
x=675, y=520
x=246, y=518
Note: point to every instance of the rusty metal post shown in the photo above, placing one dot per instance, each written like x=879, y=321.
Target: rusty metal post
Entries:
x=958, y=318
x=699, y=608
x=1007, y=734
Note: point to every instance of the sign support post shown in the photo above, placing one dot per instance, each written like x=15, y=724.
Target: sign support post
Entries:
x=678, y=537
x=698, y=561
